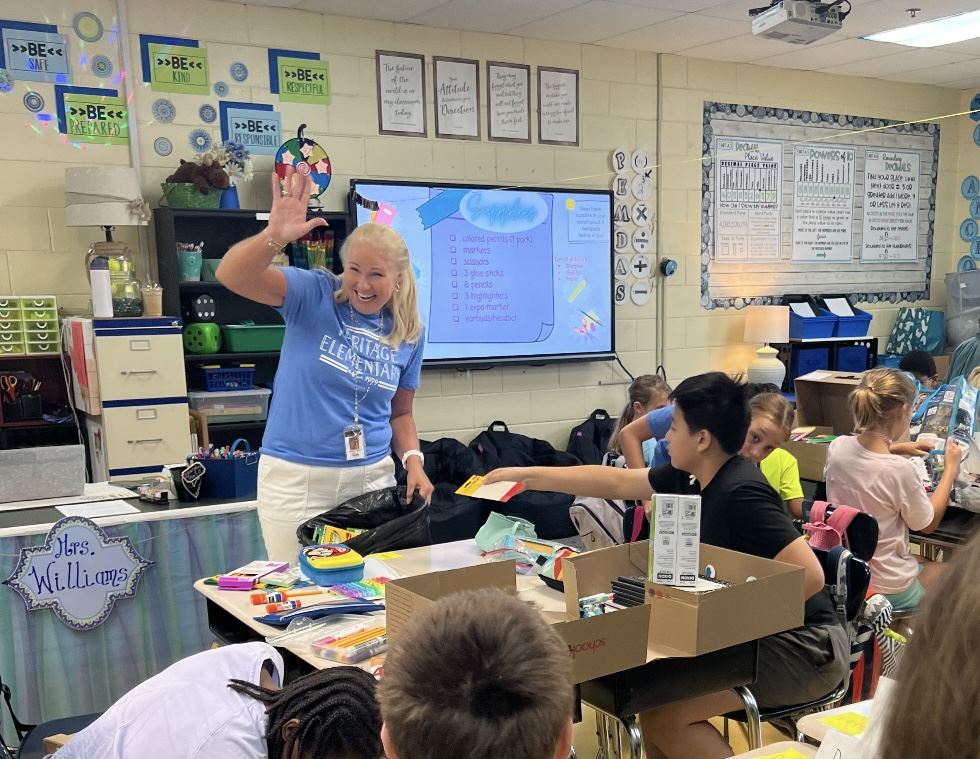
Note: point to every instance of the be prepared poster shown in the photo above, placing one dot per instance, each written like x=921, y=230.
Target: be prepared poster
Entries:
x=95, y=118
x=748, y=199
x=175, y=68
x=891, y=206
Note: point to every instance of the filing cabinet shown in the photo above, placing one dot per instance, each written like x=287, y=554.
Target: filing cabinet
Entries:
x=134, y=397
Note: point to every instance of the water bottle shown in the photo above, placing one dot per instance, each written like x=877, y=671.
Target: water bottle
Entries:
x=98, y=271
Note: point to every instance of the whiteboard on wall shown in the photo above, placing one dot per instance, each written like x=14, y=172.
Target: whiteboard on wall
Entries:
x=799, y=202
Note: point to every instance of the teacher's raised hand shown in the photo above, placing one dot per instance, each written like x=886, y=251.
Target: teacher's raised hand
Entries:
x=287, y=219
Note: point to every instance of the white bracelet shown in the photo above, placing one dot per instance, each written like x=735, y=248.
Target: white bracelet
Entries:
x=414, y=452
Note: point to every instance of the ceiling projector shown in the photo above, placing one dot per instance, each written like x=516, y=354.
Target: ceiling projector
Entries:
x=798, y=22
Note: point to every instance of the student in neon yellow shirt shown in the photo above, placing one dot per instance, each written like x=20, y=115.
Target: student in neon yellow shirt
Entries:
x=783, y=473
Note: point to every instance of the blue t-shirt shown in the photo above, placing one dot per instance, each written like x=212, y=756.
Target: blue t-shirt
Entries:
x=315, y=382
x=659, y=421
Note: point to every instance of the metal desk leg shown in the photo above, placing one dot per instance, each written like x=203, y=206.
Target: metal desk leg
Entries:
x=634, y=736
x=752, y=715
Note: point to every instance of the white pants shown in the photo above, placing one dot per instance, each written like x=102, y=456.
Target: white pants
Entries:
x=289, y=494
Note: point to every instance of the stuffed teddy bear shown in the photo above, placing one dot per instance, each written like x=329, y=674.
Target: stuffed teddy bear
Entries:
x=203, y=176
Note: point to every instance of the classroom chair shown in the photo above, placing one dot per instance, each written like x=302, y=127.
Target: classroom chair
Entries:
x=847, y=578
x=31, y=737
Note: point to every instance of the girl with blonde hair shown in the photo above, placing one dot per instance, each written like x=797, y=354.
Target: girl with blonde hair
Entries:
x=647, y=393
x=862, y=472
x=348, y=371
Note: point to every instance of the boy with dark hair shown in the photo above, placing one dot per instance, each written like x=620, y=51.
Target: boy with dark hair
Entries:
x=478, y=675
x=739, y=511
x=227, y=703
x=922, y=366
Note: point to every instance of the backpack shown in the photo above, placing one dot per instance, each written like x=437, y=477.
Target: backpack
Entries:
x=828, y=532
x=635, y=524
x=599, y=521
x=589, y=440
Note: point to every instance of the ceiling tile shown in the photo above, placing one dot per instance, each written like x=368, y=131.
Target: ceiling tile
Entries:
x=965, y=84
x=815, y=57
x=495, y=16
x=910, y=59
x=951, y=72
x=681, y=6
x=378, y=9
x=675, y=34
x=734, y=10
x=742, y=49
x=596, y=20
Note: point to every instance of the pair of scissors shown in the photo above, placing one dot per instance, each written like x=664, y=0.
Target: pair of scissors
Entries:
x=8, y=383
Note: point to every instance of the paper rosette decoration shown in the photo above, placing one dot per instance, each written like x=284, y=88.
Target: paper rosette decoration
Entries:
x=304, y=156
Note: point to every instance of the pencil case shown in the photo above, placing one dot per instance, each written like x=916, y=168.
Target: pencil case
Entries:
x=355, y=652
x=331, y=564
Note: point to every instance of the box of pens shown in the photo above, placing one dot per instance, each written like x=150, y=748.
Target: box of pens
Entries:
x=20, y=395
x=231, y=471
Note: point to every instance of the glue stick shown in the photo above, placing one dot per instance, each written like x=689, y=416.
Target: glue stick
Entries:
x=268, y=597
x=282, y=606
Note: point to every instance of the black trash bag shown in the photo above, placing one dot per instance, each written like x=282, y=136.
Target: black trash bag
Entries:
x=389, y=521
x=448, y=464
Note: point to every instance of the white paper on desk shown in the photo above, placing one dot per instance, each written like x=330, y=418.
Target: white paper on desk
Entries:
x=839, y=306
x=94, y=491
x=816, y=376
x=836, y=745
x=802, y=309
x=98, y=509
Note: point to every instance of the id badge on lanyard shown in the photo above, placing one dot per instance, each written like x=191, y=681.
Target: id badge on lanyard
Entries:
x=354, y=442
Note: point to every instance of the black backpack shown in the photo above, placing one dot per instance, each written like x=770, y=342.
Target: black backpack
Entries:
x=589, y=441
x=497, y=446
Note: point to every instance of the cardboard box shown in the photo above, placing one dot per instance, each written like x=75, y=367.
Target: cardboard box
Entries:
x=53, y=742
x=810, y=456
x=821, y=400
x=683, y=623
x=598, y=645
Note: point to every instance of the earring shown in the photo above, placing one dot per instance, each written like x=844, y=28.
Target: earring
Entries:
x=398, y=288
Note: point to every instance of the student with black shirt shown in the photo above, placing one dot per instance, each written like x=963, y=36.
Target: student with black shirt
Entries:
x=739, y=511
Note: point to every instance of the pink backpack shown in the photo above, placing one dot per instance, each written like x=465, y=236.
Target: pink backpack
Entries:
x=828, y=532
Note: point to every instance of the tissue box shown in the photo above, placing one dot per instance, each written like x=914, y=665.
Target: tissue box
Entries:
x=49, y=472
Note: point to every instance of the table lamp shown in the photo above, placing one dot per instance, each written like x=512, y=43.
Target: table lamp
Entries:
x=767, y=324
x=107, y=197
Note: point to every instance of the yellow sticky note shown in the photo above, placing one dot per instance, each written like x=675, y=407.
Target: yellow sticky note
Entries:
x=790, y=753
x=849, y=723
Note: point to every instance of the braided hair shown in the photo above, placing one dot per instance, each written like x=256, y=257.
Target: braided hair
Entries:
x=337, y=711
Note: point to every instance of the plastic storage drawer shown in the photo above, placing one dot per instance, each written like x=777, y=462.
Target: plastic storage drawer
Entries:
x=232, y=405
x=806, y=360
x=248, y=338
x=852, y=358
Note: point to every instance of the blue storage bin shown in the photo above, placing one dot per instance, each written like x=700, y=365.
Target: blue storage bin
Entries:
x=231, y=478
x=852, y=358
x=853, y=326
x=806, y=327
x=889, y=360
x=806, y=360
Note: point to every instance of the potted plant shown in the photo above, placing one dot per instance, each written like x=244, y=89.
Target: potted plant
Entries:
x=209, y=182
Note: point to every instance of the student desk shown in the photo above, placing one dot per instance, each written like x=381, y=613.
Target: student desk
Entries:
x=616, y=698
x=775, y=749
x=814, y=727
x=55, y=671
x=954, y=530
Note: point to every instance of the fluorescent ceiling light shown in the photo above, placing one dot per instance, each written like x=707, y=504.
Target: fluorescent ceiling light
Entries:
x=941, y=31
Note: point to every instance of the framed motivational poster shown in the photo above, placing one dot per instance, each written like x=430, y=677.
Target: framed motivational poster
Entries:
x=508, y=102
x=401, y=93
x=457, y=95
x=557, y=106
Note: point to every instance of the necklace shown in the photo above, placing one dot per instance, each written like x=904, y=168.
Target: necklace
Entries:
x=356, y=373
x=878, y=435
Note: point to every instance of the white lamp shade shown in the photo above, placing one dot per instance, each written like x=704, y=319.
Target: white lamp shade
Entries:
x=103, y=196
x=767, y=324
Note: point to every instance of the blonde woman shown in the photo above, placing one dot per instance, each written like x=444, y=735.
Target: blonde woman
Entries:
x=348, y=372
x=863, y=471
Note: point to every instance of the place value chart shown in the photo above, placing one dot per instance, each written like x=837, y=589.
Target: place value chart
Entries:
x=823, y=202
x=749, y=199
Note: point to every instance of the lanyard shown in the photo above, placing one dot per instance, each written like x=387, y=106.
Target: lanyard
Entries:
x=356, y=373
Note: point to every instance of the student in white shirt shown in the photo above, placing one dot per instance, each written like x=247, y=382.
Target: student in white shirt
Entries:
x=227, y=703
